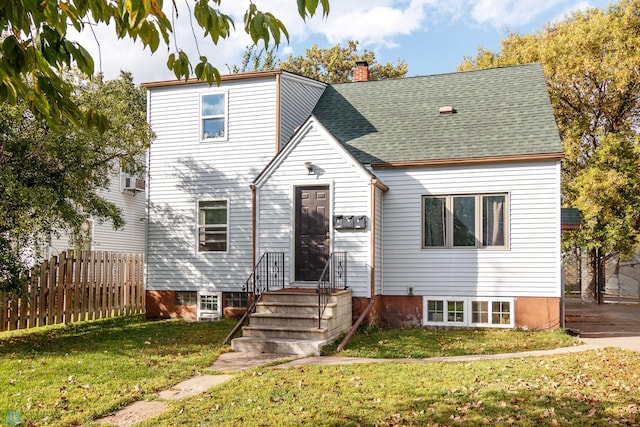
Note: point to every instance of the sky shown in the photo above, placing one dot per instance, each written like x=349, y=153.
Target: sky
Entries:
x=431, y=36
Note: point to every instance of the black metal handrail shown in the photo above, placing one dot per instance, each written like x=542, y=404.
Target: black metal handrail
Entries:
x=334, y=276
x=268, y=273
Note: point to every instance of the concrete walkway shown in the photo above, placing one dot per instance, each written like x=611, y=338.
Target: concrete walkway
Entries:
x=604, y=325
x=607, y=325
x=231, y=362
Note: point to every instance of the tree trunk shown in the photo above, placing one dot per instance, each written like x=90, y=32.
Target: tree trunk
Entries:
x=599, y=278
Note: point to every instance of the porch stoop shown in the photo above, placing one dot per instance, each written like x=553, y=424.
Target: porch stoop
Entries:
x=286, y=322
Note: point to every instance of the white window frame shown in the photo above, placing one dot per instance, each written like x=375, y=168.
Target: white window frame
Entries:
x=468, y=312
x=478, y=221
x=209, y=314
x=198, y=225
x=224, y=117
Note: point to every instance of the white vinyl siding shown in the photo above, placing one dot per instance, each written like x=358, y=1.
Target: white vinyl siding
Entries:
x=349, y=195
x=129, y=239
x=530, y=267
x=298, y=97
x=183, y=170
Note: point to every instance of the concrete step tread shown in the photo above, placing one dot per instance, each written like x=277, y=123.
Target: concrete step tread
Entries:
x=276, y=315
x=295, y=304
x=304, y=347
x=284, y=328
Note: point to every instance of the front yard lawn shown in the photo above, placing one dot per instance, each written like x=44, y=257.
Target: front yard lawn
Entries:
x=72, y=375
x=421, y=342
x=69, y=375
x=594, y=388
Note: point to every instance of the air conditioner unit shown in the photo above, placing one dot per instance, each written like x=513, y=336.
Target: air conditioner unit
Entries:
x=132, y=183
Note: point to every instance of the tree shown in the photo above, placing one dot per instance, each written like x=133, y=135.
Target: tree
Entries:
x=590, y=61
x=35, y=47
x=255, y=59
x=50, y=176
x=336, y=64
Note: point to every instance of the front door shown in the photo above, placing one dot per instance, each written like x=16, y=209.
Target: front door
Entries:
x=312, y=232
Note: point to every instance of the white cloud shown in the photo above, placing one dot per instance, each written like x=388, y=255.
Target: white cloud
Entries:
x=509, y=13
x=374, y=23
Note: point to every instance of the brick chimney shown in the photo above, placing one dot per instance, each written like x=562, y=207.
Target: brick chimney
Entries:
x=361, y=72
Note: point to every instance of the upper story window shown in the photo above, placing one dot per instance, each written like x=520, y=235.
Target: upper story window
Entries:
x=212, y=226
x=475, y=221
x=214, y=116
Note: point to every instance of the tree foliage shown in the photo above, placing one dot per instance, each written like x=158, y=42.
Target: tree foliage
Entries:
x=35, y=47
x=50, y=176
x=336, y=64
x=255, y=59
x=591, y=61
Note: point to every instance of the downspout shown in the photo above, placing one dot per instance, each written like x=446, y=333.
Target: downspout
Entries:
x=353, y=329
x=253, y=225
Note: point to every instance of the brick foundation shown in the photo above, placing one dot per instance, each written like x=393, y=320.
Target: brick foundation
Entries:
x=537, y=313
x=162, y=304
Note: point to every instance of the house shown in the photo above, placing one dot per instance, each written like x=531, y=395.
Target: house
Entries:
x=127, y=193
x=442, y=193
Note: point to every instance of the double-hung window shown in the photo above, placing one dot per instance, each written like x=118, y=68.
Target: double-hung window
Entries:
x=212, y=226
x=214, y=117
x=458, y=221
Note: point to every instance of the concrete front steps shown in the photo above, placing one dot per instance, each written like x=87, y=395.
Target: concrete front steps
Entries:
x=286, y=322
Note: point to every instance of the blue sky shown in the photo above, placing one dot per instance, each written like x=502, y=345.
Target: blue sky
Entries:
x=431, y=36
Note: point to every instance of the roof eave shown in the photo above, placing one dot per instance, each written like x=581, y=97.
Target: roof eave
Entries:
x=468, y=160
x=226, y=77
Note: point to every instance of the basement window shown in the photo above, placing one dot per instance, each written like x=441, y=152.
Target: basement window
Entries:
x=209, y=305
x=468, y=312
x=186, y=298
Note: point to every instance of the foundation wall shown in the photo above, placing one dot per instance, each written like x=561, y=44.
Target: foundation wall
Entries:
x=537, y=313
x=162, y=304
x=400, y=311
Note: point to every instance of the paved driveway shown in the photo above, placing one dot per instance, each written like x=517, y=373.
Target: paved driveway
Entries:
x=607, y=325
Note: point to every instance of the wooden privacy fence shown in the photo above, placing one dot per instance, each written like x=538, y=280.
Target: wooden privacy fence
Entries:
x=76, y=286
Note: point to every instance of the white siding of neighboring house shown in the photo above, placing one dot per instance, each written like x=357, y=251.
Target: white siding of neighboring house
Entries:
x=298, y=97
x=130, y=239
x=350, y=195
x=183, y=170
x=530, y=267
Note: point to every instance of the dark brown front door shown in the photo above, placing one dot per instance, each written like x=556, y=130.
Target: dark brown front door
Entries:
x=312, y=232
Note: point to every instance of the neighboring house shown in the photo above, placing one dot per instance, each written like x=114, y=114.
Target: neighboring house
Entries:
x=128, y=193
x=443, y=190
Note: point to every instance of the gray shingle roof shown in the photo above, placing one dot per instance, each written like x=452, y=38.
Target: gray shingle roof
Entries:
x=499, y=112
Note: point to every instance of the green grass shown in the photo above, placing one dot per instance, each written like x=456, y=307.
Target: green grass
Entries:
x=69, y=375
x=72, y=375
x=421, y=342
x=595, y=388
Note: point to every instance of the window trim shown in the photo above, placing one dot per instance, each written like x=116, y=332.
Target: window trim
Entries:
x=468, y=312
x=478, y=221
x=197, y=236
x=225, y=116
x=209, y=314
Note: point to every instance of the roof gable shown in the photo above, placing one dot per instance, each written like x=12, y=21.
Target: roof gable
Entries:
x=500, y=112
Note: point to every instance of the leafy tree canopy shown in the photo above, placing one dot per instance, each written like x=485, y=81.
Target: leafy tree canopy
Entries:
x=34, y=45
x=336, y=64
x=591, y=61
x=51, y=177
